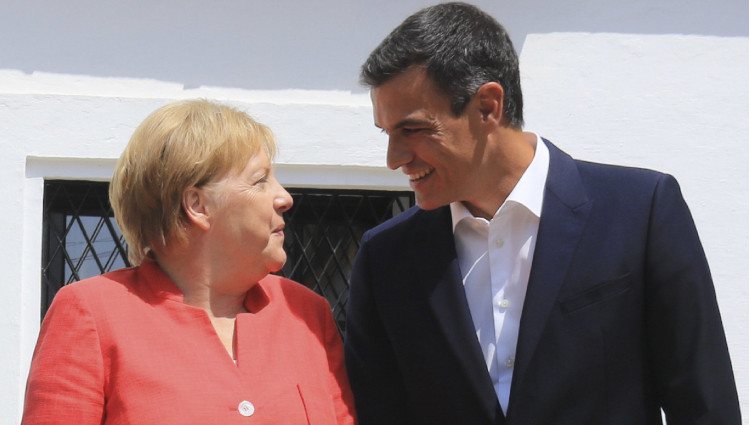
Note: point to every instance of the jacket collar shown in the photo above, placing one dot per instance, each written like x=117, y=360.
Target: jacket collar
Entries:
x=565, y=211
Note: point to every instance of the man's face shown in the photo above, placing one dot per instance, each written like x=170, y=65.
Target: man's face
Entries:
x=438, y=151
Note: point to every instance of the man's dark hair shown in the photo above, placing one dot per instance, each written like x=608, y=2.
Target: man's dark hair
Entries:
x=460, y=47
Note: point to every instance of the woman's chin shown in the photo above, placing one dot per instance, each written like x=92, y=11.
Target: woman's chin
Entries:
x=276, y=264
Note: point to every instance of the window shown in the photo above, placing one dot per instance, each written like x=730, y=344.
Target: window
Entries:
x=80, y=236
x=324, y=227
x=322, y=237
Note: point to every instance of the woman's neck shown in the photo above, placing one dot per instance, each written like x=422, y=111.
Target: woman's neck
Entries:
x=204, y=286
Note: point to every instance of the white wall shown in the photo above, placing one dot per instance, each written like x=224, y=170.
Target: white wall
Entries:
x=661, y=84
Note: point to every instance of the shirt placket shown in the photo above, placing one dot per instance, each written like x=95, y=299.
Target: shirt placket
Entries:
x=501, y=271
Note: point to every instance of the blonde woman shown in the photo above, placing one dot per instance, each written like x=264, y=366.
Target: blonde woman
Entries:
x=198, y=331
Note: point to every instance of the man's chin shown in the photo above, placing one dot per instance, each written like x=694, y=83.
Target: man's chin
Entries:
x=429, y=205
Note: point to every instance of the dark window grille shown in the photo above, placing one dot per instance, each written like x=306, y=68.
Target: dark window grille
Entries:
x=80, y=235
x=324, y=227
x=322, y=237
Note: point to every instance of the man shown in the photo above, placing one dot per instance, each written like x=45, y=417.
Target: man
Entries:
x=526, y=287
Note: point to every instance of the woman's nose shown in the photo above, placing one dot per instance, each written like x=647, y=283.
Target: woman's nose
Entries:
x=283, y=200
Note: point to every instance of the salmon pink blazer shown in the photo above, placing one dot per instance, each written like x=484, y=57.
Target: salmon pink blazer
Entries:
x=122, y=348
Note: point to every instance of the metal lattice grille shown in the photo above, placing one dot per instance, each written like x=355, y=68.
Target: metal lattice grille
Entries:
x=322, y=237
x=81, y=237
x=324, y=227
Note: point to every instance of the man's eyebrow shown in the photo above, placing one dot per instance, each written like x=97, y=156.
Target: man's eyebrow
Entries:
x=408, y=122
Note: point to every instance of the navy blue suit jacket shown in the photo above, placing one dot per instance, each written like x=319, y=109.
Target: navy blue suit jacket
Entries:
x=620, y=317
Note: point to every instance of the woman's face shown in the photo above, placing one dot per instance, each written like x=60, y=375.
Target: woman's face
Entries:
x=245, y=210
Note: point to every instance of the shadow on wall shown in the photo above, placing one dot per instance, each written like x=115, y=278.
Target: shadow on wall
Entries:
x=292, y=44
x=720, y=18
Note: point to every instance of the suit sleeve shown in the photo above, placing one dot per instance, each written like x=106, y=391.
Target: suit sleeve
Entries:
x=379, y=393
x=688, y=350
x=339, y=383
x=66, y=380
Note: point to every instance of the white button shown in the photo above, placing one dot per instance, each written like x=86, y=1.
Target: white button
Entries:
x=509, y=363
x=499, y=243
x=504, y=303
x=246, y=408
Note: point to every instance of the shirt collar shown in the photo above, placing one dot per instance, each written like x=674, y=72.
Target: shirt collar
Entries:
x=529, y=191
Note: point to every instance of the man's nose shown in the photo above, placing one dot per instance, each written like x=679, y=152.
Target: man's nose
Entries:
x=397, y=155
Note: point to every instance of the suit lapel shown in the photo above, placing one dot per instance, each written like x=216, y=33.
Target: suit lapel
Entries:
x=565, y=210
x=440, y=276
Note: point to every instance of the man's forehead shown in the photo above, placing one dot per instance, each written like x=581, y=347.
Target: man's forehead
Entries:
x=402, y=111
x=398, y=109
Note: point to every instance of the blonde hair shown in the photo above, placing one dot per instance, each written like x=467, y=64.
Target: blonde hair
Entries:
x=178, y=146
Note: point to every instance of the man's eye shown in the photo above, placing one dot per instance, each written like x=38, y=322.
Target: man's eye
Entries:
x=408, y=131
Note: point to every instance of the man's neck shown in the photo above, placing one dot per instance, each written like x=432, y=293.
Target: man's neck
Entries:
x=511, y=154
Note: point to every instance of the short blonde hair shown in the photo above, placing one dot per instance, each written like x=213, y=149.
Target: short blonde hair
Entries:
x=178, y=146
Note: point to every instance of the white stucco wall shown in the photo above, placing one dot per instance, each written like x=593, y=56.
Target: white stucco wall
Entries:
x=661, y=84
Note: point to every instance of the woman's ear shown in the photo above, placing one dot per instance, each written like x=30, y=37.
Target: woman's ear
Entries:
x=194, y=202
x=489, y=99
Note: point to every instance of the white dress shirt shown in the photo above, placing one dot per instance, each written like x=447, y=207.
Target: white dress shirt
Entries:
x=495, y=259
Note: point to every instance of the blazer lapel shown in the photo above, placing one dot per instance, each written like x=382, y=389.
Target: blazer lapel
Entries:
x=565, y=210
x=440, y=276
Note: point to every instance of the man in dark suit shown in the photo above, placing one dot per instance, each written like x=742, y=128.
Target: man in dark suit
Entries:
x=526, y=287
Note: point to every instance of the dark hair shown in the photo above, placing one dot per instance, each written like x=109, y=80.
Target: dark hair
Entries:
x=460, y=47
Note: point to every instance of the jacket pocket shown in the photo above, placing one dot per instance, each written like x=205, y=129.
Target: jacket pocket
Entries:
x=598, y=293
x=318, y=404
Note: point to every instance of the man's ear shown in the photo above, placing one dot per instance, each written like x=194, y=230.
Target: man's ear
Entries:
x=489, y=99
x=194, y=205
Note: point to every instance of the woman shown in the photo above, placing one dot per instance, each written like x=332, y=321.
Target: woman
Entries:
x=197, y=332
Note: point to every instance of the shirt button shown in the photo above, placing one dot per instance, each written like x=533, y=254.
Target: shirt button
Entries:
x=510, y=362
x=499, y=243
x=504, y=303
x=246, y=408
